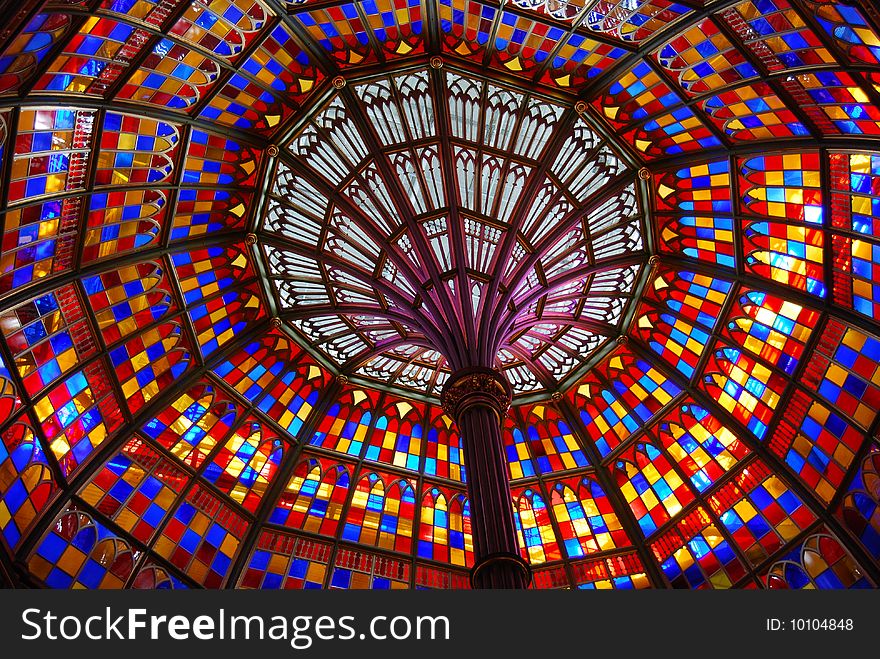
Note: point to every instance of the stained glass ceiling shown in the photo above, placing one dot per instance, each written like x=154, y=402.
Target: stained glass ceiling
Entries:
x=451, y=244
x=245, y=242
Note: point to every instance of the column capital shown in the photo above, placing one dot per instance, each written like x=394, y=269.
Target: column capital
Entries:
x=476, y=385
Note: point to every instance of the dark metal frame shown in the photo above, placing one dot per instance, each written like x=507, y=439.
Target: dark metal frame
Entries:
x=434, y=48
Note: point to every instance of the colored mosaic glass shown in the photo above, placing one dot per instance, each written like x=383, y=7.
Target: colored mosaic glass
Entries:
x=398, y=216
x=771, y=328
x=315, y=497
x=760, y=512
x=633, y=21
x=820, y=562
x=842, y=101
x=775, y=32
x=652, y=488
x=205, y=272
x=19, y=62
x=193, y=424
x=397, y=436
x=606, y=420
x=784, y=186
x=694, y=554
x=48, y=337
x=860, y=510
x=551, y=441
x=701, y=237
x=703, y=59
x=202, y=537
x=703, y=447
x=681, y=337
x=246, y=465
x=817, y=444
x=516, y=449
x=93, y=58
x=150, y=362
x=855, y=206
x=744, y=387
x=51, y=156
x=127, y=299
x=356, y=570
x=534, y=530
x=223, y=28
x=641, y=94
x=703, y=188
x=267, y=87
x=848, y=26
x=9, y=399
x=79, y=552
x=445, y=528
x=466, y=25
x=26, y=481
x=37, y=243
x=844, y=371
x=151, y=576
x=641, y=387
x=122, y=221
x=753, y=112
x=341, y=31
x=171, y=76
x=586, y=518
x=381, y=512
x=444, y=456
x=286, y=562
x=136, y=489
x=135, y=150
x=217, y=321
x=203, y=211
x=292, y=397
x=253, y=369
x=215, y=160
x=344, y=428
x=79, y=415
x=624, y=572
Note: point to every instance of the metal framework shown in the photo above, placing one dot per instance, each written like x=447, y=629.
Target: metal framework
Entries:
x=392, y=228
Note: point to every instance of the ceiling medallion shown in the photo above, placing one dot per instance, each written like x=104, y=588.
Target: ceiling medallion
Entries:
x=404, y=249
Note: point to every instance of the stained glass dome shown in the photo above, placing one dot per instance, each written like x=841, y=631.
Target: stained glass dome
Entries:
x=247, y=242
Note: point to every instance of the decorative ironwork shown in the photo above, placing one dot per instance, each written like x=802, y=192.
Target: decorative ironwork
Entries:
x=413, y=242
x=428, y=186
x=476, y=386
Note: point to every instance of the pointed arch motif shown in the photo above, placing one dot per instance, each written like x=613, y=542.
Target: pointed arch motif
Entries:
x=551, y=441
x=315, y=496
x=444, y=454
x=445, y=528
x=381, y=513
x=26, y=481
x=587, y=521
x=344, y=427
x=860, y=509
x=190, y=426
x=704, y=448
x=129, y=298
x=246, y=465
x=398, y=434
x=79, y=551
x=537, y=539
x=820, y=562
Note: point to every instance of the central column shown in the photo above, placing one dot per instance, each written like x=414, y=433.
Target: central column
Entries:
x=477, y=399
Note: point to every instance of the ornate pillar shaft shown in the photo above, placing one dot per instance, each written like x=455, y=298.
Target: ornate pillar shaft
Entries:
x=477, y=399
